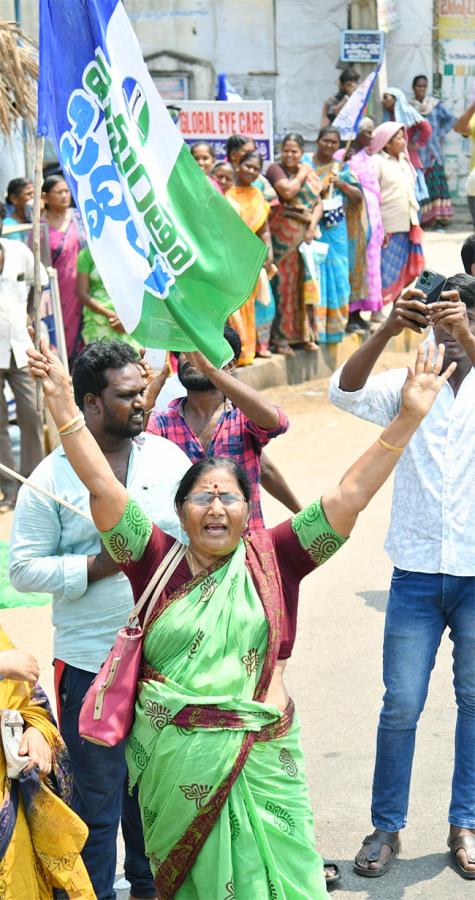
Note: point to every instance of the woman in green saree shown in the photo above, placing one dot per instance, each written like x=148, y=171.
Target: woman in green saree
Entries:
x=215, y=748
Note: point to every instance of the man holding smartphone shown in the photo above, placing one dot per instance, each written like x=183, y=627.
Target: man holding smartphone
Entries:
x=431, y=542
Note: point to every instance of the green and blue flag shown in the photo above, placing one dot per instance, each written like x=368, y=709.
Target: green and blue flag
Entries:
x=175, y=257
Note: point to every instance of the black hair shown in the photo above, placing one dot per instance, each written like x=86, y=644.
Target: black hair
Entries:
x=3, y=212
x=349, y=74
x=468, y=253
x=465, y=285
x=89, y=370
x=221, y=162
x=210, y=147
x=15, y=187
x=50, y=182
x=203, y=466
x=232, y=338
x=251, y=154
x=294, y=136
x=419, y=78
x=236, y=141
x=327, y=129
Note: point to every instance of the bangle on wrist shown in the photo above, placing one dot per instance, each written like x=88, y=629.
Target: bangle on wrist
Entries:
x=66, y=425
x=390, y=446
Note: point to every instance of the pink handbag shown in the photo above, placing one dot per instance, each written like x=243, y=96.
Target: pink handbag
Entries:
x=107, y=710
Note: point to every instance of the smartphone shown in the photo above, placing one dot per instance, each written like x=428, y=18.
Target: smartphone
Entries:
x=432, y=284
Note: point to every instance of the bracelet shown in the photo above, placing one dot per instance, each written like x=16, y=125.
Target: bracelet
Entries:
x=390, y=446
x=71, y=422
x=74, y=428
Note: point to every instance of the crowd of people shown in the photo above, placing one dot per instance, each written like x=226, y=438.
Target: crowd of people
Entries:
x=342, y=225
x=210, y=788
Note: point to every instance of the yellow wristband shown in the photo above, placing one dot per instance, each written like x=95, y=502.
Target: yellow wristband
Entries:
x=72, y=430
x=71, y=422
x=390, y=446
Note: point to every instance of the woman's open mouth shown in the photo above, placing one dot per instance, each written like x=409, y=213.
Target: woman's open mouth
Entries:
x=216, y=529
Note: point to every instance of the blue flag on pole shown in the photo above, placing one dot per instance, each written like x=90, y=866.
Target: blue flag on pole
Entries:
x=174, y=256
x=348, y=118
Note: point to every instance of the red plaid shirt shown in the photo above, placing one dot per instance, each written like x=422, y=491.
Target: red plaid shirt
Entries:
x=235, y=435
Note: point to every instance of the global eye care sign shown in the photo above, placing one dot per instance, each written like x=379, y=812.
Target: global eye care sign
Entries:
x=214, y=121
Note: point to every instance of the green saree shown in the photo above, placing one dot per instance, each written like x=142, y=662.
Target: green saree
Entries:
x=220, y=773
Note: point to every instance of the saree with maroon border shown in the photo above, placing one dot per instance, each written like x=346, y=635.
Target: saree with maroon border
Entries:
x=220, y=772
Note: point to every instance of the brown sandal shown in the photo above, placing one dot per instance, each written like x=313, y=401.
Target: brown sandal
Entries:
x=375, y=841
x=463, y=842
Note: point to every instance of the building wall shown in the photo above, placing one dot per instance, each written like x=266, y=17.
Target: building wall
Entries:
x=282, y=50
x=410, y=45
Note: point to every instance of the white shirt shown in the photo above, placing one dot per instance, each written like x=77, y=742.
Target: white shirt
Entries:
x=16, y=280
x=432, y=526
x=50, y=544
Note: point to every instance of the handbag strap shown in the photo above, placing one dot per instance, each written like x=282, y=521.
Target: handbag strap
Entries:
x=162, y=583
x=158, y=580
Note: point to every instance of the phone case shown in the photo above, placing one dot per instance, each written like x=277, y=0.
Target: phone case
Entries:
x=432, y=283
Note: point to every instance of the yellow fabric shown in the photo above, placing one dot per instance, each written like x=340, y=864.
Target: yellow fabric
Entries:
x=254, y=210
x=44, y=852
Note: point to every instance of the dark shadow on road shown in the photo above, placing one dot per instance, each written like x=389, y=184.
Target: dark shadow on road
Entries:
x=376, y=599
x=404, y=873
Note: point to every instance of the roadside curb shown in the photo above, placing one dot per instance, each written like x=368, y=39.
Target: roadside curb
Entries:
x=321, y=363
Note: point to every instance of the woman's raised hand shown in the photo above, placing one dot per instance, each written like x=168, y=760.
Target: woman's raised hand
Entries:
x=48, y=367
x=424, y=381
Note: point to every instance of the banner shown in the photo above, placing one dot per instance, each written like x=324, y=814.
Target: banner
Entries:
x=456, y=20
x=174, y=256
x=348, y=118
x=456, y=29
x=214, y=121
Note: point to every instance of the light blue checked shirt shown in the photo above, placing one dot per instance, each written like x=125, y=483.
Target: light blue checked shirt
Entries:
x=50, y=545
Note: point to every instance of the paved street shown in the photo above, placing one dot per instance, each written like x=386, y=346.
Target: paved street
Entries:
x=335, y=673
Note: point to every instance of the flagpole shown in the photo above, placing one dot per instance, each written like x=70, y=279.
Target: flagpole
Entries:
x=38, y=181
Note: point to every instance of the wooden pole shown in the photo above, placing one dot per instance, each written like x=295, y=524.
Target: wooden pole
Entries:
x=38, y=181
x=41, y=490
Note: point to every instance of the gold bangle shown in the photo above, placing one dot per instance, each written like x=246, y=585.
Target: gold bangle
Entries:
x=390, y=446
x=71, y=422
x=72, y=430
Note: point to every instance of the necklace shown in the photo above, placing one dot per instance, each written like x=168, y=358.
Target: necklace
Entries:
x=191, y=562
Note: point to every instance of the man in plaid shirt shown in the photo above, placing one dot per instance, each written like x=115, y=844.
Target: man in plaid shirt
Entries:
x=221, y=416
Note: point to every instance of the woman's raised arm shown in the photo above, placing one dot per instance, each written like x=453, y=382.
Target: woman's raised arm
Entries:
x=108, y=496
x=343, y=503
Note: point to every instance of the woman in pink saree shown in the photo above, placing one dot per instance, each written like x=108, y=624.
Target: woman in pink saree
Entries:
x=66, y=238
x=363, y=167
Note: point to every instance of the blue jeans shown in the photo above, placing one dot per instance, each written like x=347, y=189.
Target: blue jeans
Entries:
x=420, y=607
x=101, y=799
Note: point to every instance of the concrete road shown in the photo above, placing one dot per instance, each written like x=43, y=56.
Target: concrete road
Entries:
x=335, y=672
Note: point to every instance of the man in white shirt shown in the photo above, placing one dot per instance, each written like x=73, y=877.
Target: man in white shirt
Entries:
x=57, y=551
x=431, y=541
x=16, y=279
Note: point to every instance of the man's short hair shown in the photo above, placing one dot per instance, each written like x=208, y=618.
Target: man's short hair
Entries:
x=89, y=370
x=468, y=253
x=465, y=285
x=232, y=338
